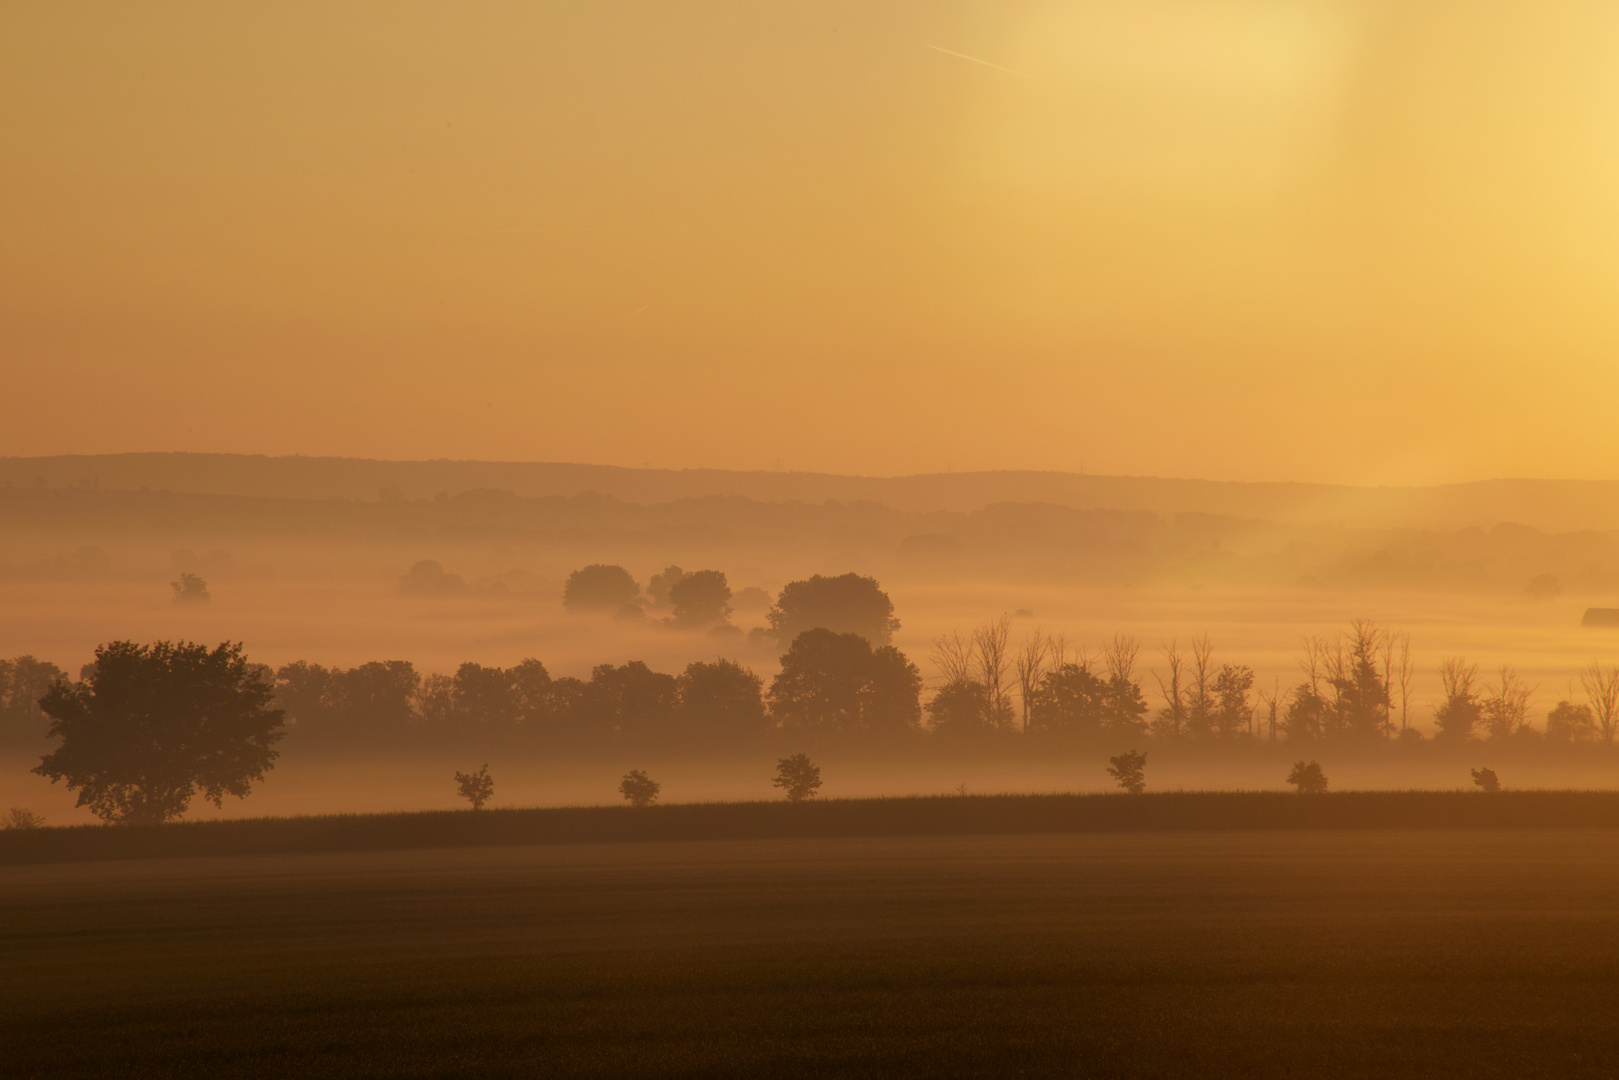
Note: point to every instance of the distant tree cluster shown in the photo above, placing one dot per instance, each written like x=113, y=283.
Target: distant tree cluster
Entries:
x=23, y=682
x=1355, y=690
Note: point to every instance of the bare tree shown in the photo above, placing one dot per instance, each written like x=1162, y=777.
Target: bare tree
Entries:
x=1311, y=663
x=1057, y=653
x=990, y=641
x=1505, y=705
x=1272, y=699
x=955, y=657
x=1602, y=689
x=1172, y=717
x=1200, y=706
x=1120, y=656
x=1402, y=668
x=1030, y=664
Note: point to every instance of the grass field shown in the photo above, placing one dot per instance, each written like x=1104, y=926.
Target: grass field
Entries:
x=1473, y=953
x=949, y=815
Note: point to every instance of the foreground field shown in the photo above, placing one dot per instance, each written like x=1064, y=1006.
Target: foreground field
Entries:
x=949, y=815
x=1393, y=953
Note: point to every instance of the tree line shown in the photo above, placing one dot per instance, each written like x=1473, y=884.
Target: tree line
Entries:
x=842, y=679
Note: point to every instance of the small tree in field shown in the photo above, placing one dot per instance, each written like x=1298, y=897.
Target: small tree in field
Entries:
x=477, y=788
x=1308, y=778
x=1487, y=780
x=639, y=788
x=799, y=777
x=1130, y=770
x=19, y=818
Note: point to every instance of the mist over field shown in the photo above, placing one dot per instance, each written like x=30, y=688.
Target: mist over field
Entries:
x=297, y=572
x=865, y=538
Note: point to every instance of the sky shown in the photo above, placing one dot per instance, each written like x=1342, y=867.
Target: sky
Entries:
x=1327, y=240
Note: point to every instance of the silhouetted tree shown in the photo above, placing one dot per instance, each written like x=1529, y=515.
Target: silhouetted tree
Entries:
x=837, y=683
x=1171, y=720
x=722, y=701
x=1504, y=707
x=1487, y=780
x=485, y=697
x=23, y=681
x=1459, y=713
x=190, y=589
x=639, y=788
x=434, y=702
x=1126, y=707
x=798, y=777
x=532, y=690
x=599, y=588
x=1571, y=723
x=1129, y=769
x=477, y=788
x=1201, y=706
x=1601, y=685
x=1306, y=717
x=1361, y=707
x=847, y=604
x=892, y=701
x=632, y=704
x=701, y=599
x=961, y=709
x=1071, y=700
x=570, y=719
x=428, y=577
x=1308, y=778
x=1233, y=710
x=1030, y=665
x=374, y=702
x=152, y=725
x=658, y=587
x=990, y=646
x=20, y=818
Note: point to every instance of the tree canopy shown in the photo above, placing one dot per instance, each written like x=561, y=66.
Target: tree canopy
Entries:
x=599, y=587
x=701, y=599
x=151, y=726
x=847, y=604
x=838, y=682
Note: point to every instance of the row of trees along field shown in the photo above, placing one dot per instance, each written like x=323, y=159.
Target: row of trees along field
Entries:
x=841, y=681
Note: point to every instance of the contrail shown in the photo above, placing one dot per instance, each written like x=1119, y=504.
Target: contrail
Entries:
x=986, y=63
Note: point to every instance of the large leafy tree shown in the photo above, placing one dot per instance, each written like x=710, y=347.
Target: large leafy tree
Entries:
x=839, y=683
x=847, y=604
x=599, y=587
x=151, y=726
x=701, y=599
x=722, y=701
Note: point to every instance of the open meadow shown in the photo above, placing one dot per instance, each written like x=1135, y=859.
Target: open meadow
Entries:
x=1486, y=953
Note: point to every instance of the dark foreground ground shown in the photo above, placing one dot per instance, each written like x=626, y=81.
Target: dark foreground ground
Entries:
x=1480, y=953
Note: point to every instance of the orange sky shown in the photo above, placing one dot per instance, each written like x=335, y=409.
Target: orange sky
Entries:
x=1245, y=239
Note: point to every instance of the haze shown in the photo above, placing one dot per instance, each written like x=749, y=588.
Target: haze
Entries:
x=1329, y=241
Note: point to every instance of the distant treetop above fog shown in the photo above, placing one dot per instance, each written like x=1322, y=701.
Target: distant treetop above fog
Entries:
x=599, y=587
x=847, y=604
x=429, y=576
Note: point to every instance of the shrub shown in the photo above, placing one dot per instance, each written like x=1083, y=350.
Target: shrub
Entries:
x=1486, y=779
x=1130, y=770
x=477, y=788
x=18, y=818
x=799, y=777
x=639, y=788
x=1308, y=778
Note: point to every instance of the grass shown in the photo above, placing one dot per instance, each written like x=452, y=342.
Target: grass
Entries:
x=920, y=816
x=1478, y=953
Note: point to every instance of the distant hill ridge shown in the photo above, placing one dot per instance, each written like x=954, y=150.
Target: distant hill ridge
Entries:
x=1558, y=505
